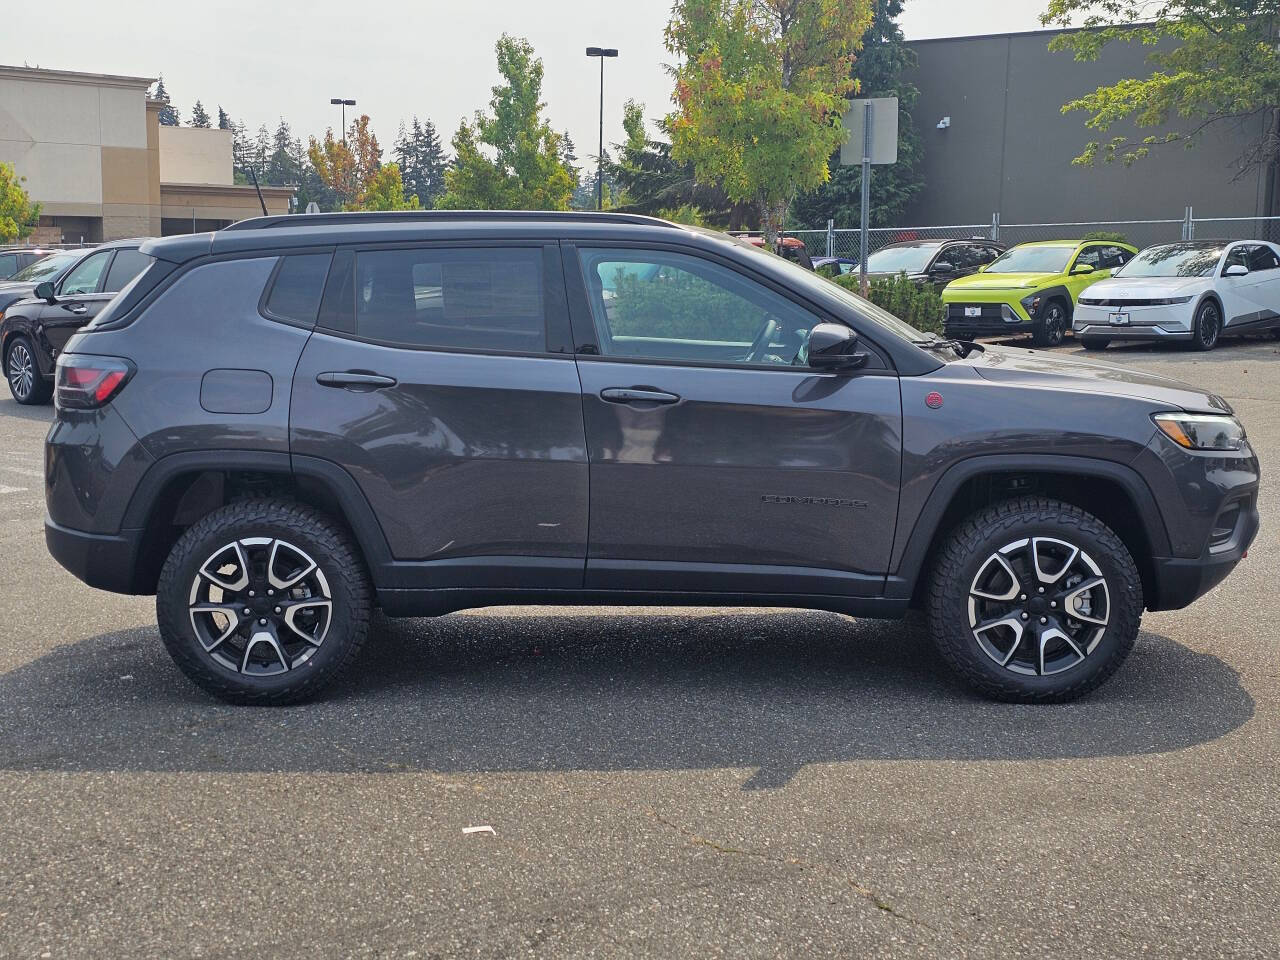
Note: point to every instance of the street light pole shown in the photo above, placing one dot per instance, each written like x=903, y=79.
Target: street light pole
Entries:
x=340, y=102
x=602, y=53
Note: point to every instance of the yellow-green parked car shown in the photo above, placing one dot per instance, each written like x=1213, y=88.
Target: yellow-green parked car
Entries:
x=1031, y=288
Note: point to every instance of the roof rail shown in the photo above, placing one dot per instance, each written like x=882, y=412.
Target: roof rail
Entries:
x=439, y=216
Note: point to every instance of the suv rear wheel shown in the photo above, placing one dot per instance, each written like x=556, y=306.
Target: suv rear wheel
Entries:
x=20, y=369
x=263, y=601
x=1034, y=601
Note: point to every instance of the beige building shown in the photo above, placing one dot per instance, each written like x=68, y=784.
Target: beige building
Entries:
x=101, y=166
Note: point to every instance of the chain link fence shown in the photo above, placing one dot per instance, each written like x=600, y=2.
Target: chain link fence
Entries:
x=845, y=242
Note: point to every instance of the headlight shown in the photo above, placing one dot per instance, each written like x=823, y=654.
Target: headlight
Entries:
x=1032, y=304
x=1172, y=300
x=1201, y=431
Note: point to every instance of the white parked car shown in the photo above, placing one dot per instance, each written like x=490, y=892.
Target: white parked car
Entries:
x=1195, y=291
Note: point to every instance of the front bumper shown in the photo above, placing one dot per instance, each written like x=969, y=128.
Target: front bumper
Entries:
x=996, y=319
x=105, y=561
x=1171, y=322
x=1180, y=581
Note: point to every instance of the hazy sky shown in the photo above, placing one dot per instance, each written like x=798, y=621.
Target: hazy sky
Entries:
x=263, y=60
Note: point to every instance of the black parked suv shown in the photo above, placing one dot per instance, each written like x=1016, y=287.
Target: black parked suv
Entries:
x=283, y=425
x=51, y=300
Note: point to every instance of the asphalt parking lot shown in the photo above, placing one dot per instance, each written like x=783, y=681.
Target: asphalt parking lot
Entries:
x=659, y=783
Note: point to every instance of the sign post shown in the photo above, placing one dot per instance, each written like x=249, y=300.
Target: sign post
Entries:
x=873, y=139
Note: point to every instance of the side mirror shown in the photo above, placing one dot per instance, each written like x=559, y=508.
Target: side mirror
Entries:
x=1236, y=270
x=942, y=266
x=1081, y=268
x=833, y=346
x=46, y=292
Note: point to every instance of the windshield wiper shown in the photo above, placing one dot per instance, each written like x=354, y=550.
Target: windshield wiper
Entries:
x=962, y=347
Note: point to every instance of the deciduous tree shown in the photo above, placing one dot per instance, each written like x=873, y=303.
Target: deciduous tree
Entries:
x=18, y=215
x=511, y=158
x=1216, y=64
x=881, y=70
x=384, y=190
x=345, y=166
x=760, y=88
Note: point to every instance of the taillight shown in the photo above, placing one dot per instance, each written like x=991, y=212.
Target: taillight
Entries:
x=84, y=382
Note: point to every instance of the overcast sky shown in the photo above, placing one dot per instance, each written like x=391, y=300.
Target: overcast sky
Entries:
x=263, y=60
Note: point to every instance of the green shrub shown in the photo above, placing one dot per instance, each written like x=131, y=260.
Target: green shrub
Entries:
x=917, y=304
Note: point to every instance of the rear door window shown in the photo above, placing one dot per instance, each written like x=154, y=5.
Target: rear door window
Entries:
x=466, y=298
x=1262, y=258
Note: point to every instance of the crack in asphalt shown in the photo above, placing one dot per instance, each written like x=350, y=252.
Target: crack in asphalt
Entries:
x=860, y=889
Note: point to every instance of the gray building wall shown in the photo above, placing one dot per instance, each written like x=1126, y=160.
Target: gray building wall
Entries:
x=1009, y=147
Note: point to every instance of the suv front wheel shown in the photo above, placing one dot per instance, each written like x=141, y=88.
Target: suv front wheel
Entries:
x=1034, y=601
x=263, y=601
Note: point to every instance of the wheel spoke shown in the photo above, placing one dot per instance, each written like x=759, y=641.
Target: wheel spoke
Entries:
x=233, y=621
x=294, y=607
x=1050, y=578
x=283, y=584
x=1014, y=624
x=242, y=563
x=1015, y=584
x=258, y=639
x=1069, y=602
x=1050, y=634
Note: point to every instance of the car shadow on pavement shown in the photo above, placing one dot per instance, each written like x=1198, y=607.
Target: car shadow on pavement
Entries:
x=600, y=691
x=11, y=408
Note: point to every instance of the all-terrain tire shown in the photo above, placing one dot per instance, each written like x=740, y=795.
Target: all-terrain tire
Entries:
x=301, y=527
x=993, y=529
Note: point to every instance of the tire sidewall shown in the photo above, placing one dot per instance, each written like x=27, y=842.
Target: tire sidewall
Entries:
x=1055, y=333
x=1201, y=310
x=956, y=639
x=346, y=624
x=22, y=341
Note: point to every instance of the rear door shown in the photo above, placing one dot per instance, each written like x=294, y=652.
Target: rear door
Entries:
x=440, y=376
x=1252, y=299
x=719, y=460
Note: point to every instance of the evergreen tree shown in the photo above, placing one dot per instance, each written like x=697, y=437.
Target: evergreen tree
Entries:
x=261, y=152
x=200, y=116
x=224, y=121
x=879, y=70
x=420, y=156
x=284, y=165
x=168, y=115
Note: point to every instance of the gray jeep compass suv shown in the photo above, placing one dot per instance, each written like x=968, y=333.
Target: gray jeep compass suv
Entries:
x=278, y=427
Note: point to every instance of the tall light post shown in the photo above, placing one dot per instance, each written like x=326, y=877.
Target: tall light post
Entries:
x=340, y=102
x=602, y=53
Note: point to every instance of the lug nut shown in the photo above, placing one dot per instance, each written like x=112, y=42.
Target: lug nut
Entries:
x=1041, y=590
x=1024, y=616
x=277, y=609
x=248, y=612
x=1044, y=619
x=263, y=621
x=1053, y=604
x=271, y=593
x=1023, y=597
x=251, y=593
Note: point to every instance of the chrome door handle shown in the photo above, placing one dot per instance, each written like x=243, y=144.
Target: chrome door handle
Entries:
x=349, y=378
x=637, y=395
x=79, y=308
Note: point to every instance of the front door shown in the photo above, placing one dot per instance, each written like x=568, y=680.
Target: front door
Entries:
x=719, y=460
x=432, y=379
x=1253, y=299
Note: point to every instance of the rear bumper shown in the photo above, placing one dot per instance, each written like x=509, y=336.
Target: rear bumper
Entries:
x=104, y=561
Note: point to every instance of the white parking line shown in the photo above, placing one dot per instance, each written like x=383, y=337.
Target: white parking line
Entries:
x=5, y=490
x=36, y=474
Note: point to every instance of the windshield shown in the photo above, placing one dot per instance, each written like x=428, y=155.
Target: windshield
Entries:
x=1174, y=260
x=901, y=259
x=1032, y=260
x=44, y=269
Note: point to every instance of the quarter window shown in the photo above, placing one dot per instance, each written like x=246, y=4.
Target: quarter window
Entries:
x=127, y=265
x=84, y=277
x=299, y=284
x=482, y=299
x=8, y=264
x=1263, y=258
x=671, y=306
